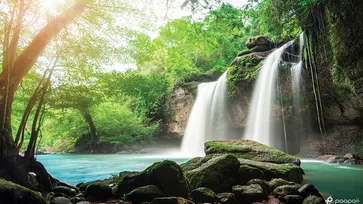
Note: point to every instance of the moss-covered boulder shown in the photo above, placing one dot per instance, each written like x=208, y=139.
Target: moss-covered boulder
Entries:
x=258, y=41
x=166, y=175
x=144, y=194
x=14, y=193
x=288, y=172
x=203, y=195
x=309, y=189
x=98, y=190
x=274, y=183
x=251, y=150
x=217, y=173
x=264, y=185
x=293, y=199
x=249, y=193
x=226, y=198
x=246, y=173
x=314, y=200
x=282, y=191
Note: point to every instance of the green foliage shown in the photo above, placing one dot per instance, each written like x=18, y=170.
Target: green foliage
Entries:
x=184, y=48
x=117, y=124
x=126, y=107
x=146, y=91
x=277, y=19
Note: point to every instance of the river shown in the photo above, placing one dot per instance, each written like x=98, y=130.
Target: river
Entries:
x=338, y=181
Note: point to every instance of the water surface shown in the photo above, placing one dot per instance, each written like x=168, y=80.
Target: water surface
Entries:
x=338, y=181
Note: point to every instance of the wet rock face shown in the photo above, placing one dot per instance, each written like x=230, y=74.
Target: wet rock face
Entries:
x=179, y=107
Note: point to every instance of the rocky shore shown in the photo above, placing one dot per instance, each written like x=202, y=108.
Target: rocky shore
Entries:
x=232, y=172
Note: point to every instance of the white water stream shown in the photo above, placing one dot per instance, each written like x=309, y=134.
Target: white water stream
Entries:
x=207, y=120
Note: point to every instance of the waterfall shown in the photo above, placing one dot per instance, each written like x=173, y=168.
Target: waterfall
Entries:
x=259, y=116
x=207, y=120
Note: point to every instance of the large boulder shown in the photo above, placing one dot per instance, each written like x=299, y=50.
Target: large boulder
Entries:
x=276, y=182
x=226, y=198
x=314, y=200
x=307, y=190
x=246, y=173
x=288, y=172
x=251, y=150
x=203, y=195
x=63, y=189
x=144, y=194
x=293, y=199
x=14, y=193
x=259, y=40
x=282, y=191
x=249, y=193
x=166, y=175
x=217, y=173
x=98, y=190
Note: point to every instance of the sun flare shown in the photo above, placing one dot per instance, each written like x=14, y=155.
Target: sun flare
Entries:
x=52, y=6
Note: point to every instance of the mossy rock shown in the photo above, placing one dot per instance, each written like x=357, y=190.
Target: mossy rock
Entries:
x=144, y=194
x=166, y=175
x=203, y=195
x=14, y=193
x=249, y=193
x=246, y=173
x=282, y=191
x=276, y=182
x=217, y=173
x=258, y=41
x=313, y=200
x=270, y=170
x=251, y=150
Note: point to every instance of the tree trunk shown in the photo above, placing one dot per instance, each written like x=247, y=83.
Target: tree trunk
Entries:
x=14, y=69
x=92, y=128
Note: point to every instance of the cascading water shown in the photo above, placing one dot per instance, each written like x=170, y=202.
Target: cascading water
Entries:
x=207, y=120
x=296, y=76
x=259, y=116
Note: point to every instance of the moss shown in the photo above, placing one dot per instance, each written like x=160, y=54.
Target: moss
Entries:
x=271, y=170
x=244, y=68
x=247, y=149
x=216, y=173
x=14, y=193
x=197, y=77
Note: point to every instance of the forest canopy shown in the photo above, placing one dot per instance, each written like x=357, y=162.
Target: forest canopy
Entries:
x=105, y=75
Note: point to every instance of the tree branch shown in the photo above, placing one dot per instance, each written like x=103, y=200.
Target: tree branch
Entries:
x=28, y=57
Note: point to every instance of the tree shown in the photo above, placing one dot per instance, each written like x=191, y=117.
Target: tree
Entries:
x=16, y=63
x=81, y=98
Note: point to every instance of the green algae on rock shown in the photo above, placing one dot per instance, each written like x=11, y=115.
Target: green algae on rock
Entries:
x=251, y=150
x=14, y=193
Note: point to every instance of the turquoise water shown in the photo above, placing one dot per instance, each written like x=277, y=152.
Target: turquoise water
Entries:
x=77, y=168
x=338, y=181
